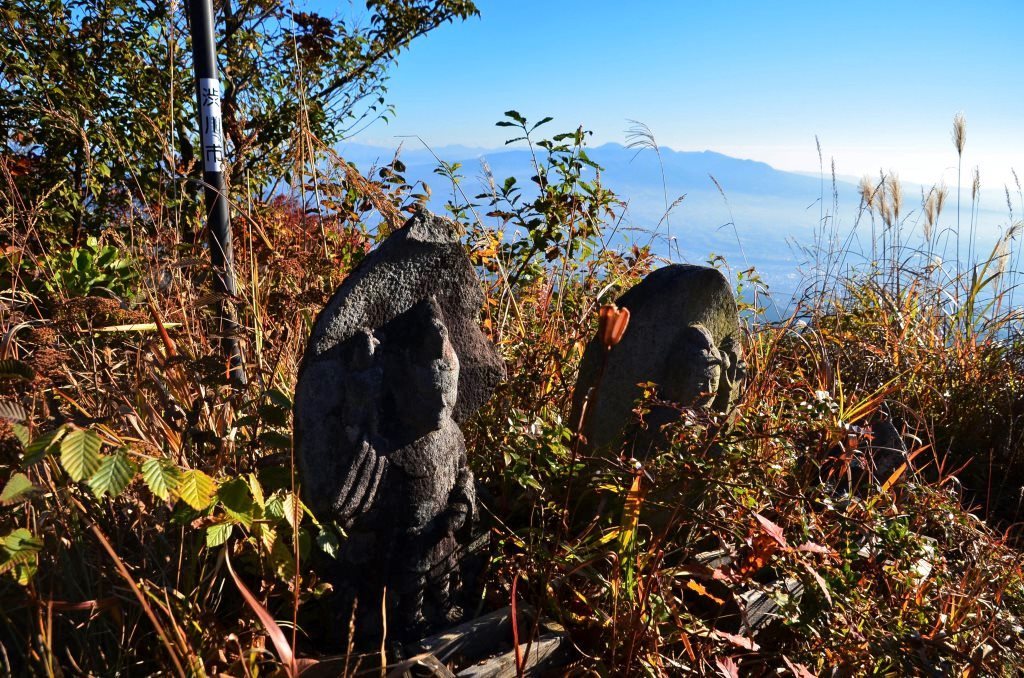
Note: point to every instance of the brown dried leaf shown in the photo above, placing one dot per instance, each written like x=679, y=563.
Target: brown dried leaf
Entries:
x=738, y=641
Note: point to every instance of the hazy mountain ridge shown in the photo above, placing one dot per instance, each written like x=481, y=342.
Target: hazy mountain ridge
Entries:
x=761, y=217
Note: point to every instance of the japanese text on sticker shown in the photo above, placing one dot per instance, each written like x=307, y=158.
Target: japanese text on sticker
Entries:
x=210, y=121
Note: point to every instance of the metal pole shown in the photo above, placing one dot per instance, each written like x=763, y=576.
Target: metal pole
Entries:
x=218, y=218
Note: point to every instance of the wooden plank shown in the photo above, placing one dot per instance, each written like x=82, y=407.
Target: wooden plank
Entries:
x=544, y=654
x=472, y=640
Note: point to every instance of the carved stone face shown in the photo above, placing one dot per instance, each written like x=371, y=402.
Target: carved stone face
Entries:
x=693, y=375
x=426, y=381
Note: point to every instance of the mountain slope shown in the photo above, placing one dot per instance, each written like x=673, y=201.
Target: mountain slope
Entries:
x=745, y=210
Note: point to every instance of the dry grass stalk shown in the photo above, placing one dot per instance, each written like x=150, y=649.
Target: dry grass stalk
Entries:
x=959, y=132
x=867, y=192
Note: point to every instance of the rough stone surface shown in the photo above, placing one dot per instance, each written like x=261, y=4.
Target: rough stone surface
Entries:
x=421, y=259
x=683, y=335
x=395, y=360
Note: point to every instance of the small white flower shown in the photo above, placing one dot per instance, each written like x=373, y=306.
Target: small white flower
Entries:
x=822, y=396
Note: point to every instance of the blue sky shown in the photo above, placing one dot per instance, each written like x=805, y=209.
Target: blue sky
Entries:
x=878, y=82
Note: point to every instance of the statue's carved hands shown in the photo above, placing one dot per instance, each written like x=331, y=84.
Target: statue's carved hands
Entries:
x=358, y=492
x=456, y=517
x=462, y=503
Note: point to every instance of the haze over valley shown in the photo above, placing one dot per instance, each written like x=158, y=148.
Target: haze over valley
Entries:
x=762, y=217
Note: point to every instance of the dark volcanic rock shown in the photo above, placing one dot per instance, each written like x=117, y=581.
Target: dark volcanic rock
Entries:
x=683, y=335
x=395, y=360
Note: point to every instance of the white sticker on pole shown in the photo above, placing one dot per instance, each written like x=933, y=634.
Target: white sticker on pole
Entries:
x=212, y=129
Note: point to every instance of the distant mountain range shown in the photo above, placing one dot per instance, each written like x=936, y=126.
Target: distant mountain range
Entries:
x=761, y=217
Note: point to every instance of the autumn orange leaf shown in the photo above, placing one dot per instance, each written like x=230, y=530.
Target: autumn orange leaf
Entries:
x=699, y=588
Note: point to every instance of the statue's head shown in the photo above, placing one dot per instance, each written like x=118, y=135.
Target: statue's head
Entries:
x=423, y=369
x=694, y=368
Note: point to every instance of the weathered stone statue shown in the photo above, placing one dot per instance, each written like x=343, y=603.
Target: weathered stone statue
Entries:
x=395, y=360
x=684, y=336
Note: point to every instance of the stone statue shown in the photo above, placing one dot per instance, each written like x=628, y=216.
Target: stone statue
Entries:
x=684, y=336
x=394, y=362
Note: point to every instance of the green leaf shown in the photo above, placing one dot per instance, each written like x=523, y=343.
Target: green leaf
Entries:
x=25, y=570
x=197, y=489
x=12, y=411
x=20, y=541
x=292, y=509
x=41, y=446
x=516, y=115
x=16, y=369
x=274, y=415
x=16, y=488
x=236, y=499
x=281, y=559
x=327, y=540
x=21, y=433
x=218, y=534
x=543, y=121
x=113, y=476
x=257, y=490
x=18, y=551
x=80, y=453
x=280, y=398
x=161, y=477
x=274, y=506
x=275, y=440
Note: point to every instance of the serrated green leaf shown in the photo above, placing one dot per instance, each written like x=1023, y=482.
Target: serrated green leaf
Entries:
x=218, y=534
x=161, y=477
x=257, y=490
x=80, y=453
x=543, y=121
x=22, y=434
x=18, y=551
x=266, y=536
x=292, y=509
x=20, y=540
x=16, y=369
x=274, y=507
x=42, y=446
x=197, y=489
x=24, y=571
x=16, y=489
x=114, y=474
x=12, y=411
